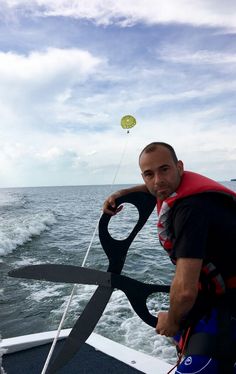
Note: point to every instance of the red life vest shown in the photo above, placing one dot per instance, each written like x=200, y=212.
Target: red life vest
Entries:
x=191, y=184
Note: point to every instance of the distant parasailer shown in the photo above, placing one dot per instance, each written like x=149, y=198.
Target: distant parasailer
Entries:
x=127, y=122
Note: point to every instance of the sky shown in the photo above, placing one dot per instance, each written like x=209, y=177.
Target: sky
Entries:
x=70, y=70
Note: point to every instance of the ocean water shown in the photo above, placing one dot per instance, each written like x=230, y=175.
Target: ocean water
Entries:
x=55, y=225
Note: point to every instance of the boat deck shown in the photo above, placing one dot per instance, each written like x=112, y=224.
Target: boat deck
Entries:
x=88, y=361
x=99, y=355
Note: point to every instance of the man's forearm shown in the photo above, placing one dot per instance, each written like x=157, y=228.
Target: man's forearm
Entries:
x=183, y=294
x=138, y=188
x=181, y=302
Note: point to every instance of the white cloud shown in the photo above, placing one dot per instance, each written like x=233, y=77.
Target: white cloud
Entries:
x=213, y=13
x=60, y=107
x=49, y=154
x=197, y=57
x=71, y=157
x=41, y=67
x=93, y=158
x=33, y=86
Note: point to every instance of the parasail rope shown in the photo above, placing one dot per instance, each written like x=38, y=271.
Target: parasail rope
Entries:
x=121, y=161
x=83, y=264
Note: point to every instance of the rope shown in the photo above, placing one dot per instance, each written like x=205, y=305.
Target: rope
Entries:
x=83, y=264
x=67, y=307
x=182, y=351
x=121, y=160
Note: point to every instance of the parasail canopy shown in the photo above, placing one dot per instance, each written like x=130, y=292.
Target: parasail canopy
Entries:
x=127, y=122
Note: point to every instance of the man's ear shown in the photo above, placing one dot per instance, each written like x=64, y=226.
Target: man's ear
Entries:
x=180, y=167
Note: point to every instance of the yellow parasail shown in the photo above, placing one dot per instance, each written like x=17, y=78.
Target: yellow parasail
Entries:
x=127, y=122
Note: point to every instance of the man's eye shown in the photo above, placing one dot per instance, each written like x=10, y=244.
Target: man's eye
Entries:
x=148, y=175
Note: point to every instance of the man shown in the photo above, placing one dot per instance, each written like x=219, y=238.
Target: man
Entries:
x=197, y=227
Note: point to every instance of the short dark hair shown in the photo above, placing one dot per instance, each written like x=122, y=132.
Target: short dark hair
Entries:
x=152, y=146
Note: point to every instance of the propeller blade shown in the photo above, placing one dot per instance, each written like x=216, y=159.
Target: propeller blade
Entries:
x=63, y=274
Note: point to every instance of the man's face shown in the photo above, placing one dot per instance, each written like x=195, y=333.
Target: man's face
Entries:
x=160, y=173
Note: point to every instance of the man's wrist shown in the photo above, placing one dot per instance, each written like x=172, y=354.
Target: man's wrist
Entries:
x=173, y=321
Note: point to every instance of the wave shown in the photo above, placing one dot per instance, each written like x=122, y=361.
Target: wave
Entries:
x=16, y=231
x=9, y=200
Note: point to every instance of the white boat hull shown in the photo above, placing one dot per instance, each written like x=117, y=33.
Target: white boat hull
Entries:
x=138, y=360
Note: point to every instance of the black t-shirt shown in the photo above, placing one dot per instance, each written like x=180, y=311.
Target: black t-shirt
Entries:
x=204, y=226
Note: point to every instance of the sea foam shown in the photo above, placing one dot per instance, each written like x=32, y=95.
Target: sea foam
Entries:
x=17, y=231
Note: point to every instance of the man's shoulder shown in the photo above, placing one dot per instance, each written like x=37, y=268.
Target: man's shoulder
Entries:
x=203, y=197
x=205, y=203
x=201, y=203
x=196, y=199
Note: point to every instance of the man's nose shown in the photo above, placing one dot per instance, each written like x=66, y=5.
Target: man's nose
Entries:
x=157, y=178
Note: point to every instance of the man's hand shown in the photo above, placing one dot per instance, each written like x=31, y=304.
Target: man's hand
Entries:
x=165, y=326
x=109, y=206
